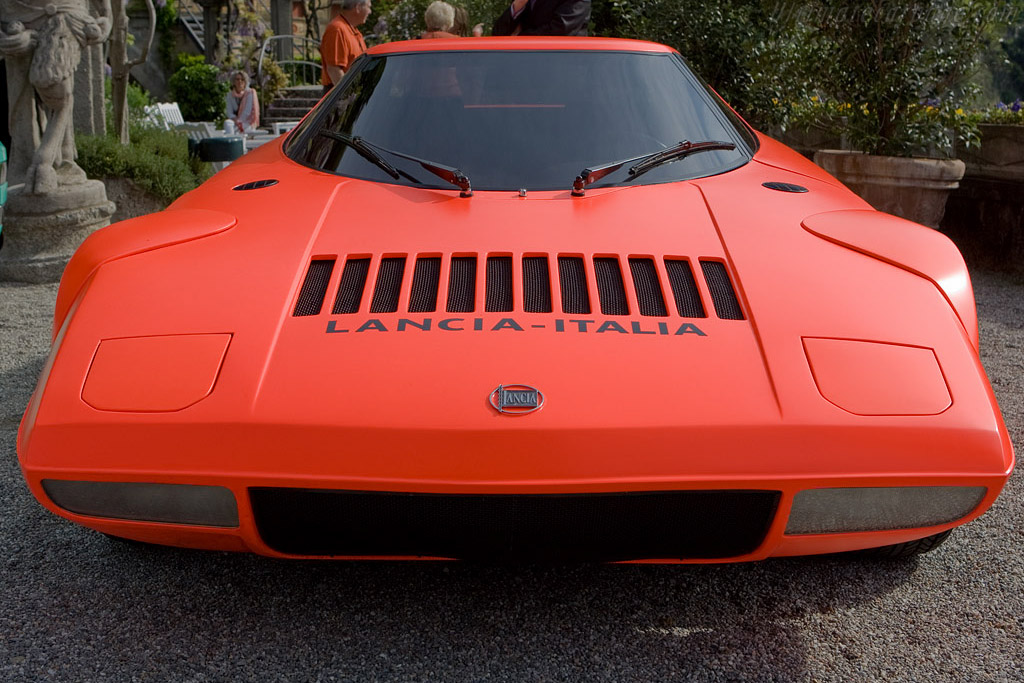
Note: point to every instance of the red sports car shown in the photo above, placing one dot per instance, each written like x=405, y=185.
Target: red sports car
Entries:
x=518, y=299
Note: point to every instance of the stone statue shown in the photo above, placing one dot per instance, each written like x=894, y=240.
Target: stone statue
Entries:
x=51, y=206
x=42, y=43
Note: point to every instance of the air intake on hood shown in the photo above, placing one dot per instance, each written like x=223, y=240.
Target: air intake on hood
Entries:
x=572, y=276
x=722, y=293
x=462, y=285
x=314, y=287
x=389, y=285
x=353, y=281
x=536, y=285
x=499, y=284
x=648, y=289
x=684, y=288
x=648, y=283
x=610, y=289
x=425, y=279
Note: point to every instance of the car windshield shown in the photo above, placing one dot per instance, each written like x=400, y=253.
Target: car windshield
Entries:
x=513, y=120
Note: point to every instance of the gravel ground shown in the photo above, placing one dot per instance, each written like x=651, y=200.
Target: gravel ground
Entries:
x=78, y=607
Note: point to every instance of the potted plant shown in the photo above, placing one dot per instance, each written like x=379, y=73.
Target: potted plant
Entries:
x=999, y=154
x=898, y=69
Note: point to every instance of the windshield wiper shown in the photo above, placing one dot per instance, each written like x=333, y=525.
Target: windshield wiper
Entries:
x=646, y=162
x=371, y=153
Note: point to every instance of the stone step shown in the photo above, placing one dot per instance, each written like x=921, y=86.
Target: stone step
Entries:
x=307, y=102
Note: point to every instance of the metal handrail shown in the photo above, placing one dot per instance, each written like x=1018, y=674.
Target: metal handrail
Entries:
x=308, y=48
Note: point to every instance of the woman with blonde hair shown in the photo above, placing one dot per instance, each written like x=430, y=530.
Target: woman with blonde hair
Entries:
x=439, y=18
x=243, y=107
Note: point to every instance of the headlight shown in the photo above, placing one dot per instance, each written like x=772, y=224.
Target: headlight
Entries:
x=143, y=502
x=824, y=511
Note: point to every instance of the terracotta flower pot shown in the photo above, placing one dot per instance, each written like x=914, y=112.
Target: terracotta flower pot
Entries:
x=910, y=187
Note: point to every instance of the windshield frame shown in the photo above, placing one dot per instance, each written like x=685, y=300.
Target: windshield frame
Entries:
x=738, y=130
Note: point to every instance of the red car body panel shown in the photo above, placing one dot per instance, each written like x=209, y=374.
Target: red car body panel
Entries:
x=837, y=300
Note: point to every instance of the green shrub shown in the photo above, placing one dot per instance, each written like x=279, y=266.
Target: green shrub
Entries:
x=196, y=88
x=156, y=160
x=138, y=100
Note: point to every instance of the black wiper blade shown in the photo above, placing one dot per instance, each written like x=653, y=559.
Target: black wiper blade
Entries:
x=646, y=162
x=371, y=152
x=364, y=149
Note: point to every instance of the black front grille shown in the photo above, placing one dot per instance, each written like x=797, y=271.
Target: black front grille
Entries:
x=558, y=527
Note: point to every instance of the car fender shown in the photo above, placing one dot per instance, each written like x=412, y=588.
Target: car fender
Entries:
x=133, y=236
x=907, y=245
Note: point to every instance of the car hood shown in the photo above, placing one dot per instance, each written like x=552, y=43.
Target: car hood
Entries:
x=350, y=302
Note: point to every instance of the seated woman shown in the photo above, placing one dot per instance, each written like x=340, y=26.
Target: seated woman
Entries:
x=439, y=18
x=243, y=107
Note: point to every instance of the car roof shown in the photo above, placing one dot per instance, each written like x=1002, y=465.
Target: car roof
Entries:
x=505, y=43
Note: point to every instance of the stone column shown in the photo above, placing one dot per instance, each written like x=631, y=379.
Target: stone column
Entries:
x=281, y=25
x=211, y=24
x=90, y=113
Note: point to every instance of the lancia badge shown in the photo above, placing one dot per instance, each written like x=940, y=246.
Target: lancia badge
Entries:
x=516, y=399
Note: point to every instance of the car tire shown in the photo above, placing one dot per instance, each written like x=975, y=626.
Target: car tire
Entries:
x=908, y=549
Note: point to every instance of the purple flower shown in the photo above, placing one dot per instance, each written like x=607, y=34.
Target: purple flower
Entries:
x=1016, y=106
x=1001, y=107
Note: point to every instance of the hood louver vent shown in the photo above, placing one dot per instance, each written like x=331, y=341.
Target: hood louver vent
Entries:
x=722, y=293
x=579, y=279
x=314, y=288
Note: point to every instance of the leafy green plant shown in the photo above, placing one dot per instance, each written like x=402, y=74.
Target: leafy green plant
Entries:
x=752, y=53
x=903, y=66
x=198, y=89
x=138, y=100
x=1011, y=114
x=247, y=35
x=156, y=160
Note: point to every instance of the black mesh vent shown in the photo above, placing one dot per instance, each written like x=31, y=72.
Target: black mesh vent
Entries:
x=254, y=185
x=462, y=285
x=684, y=287
x=425, y=277
x=648, y=289
x=389, y=285
x=499, y=284
x=536, y=285
x=610, y=288
x=314, y=287
x=572, y=278
x=353, y=282
x=722, y=294
x=559, y=527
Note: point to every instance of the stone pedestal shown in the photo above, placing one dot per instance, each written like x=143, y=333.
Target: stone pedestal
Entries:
x=41, y=232
x=909, y=187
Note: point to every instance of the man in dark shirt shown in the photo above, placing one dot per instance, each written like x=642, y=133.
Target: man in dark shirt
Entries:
x=544, y=18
